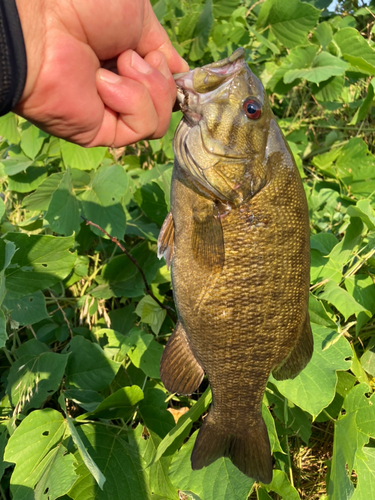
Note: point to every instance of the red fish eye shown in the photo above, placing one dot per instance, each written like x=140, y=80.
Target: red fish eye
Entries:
x=252, y=109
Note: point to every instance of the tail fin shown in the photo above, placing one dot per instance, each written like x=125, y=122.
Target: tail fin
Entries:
x=249, y=449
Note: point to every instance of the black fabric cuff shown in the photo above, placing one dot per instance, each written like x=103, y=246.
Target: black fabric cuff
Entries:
x=13, y=63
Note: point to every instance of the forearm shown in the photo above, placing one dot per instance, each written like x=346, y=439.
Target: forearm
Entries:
x=13, y=64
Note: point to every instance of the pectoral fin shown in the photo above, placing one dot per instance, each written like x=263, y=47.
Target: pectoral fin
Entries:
x=207, y=237
x=166, y=240
x=179, y=370
x=299, y=356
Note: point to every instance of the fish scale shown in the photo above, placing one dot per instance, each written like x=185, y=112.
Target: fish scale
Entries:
x=237, y=240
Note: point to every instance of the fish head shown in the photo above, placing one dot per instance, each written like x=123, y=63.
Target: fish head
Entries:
x=221, y=141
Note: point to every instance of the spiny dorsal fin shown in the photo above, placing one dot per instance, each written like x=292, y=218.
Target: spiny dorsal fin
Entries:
x=166, y=240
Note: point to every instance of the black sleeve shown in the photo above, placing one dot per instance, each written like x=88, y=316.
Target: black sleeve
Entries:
x=13, y=66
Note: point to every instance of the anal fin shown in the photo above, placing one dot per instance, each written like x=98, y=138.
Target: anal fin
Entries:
x=166, y=240
x=298, y=357
x=179, y=370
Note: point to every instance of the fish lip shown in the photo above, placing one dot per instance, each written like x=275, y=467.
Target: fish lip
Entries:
x=185, y=88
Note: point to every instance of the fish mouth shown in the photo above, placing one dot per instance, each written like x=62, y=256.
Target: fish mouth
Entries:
x=198, y=86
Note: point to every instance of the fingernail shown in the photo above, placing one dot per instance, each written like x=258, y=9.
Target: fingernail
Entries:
x=108, y=76
x=140, y=64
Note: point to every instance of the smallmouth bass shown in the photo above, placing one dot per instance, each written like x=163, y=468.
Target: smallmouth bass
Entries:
x=237, y=240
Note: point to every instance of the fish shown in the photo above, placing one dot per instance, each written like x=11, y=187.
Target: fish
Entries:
x=237, y=241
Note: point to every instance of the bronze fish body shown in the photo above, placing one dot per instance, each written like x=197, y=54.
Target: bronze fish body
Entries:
x=237, y=239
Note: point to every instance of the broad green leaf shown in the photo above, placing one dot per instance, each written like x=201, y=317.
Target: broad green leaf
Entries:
x=120, y=404
x=32, y=440
x=150, y=198
x=101, y=202
x=63, y=212
x=58, y=474
x=89, y=400
x=153, y=409
x=342, y=300
x=356, y=50
x=224, y=8
x=324, y=242
x=323, y=33
x=87, y=367
x=365, y=469
x=318, y=314
x=41, y=198
x=323, y=67
x=119, y=462
x=146, y=354
x=15, y=165
x=280, y=484
x=34, y=378
x=290, y=22
x=364, y=211
x=28, y=180
x=219, y=481
x=158, y=473
x=362, y=289
x=329, y=90
x=314, y=388
x=151, y=313
x=40, y=262
x=202, y=31
x=184, y=424
x=80, y=158
x=9, y=128
x=3, y=329
x=27, y=310
x=31, y=139
x=352, y=431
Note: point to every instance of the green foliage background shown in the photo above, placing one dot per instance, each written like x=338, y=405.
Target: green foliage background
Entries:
x=83, y=412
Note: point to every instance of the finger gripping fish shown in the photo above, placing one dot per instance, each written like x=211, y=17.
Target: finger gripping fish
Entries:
x=237, y=240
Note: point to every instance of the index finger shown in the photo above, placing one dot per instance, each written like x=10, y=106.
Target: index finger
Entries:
x=154, y=37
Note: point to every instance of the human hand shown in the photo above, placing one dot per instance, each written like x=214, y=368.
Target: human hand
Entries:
x=69, y=94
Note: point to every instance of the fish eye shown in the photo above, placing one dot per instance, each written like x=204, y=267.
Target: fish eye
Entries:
x=252, y=108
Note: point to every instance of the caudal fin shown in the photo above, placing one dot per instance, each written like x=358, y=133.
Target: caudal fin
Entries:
x=249, y=450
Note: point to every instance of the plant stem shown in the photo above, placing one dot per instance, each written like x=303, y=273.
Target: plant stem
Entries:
x=129, y=255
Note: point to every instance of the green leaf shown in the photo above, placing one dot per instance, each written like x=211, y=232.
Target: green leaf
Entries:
x=87, y=367
x=40, y=262
x=151, y=313
x=153, y=409
x=329, y=90
x=365, y=469
x=280, y=484
x=290, y=21
x=119, y=462
x=219, y=481
x=27, y=310
x=202, y=31
x=314, y=388
x=87, y=399
x=356, y=50
x=150, y=198
x=120, y=404
x=184, y=424
x=364, y=211
x=342, y=300
x=365, y=107
x=58, y=474
x=41, y=198
x=146, y=354
x=37, y=434
x=33, y=378
x=352, y=431
x=32, y=139
x=9, y=128
x=63, y=212
x=101, y=202
x=158, y=473
x=28, y=180
x=75, y=156
x=323, y=67
x=15, y=165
